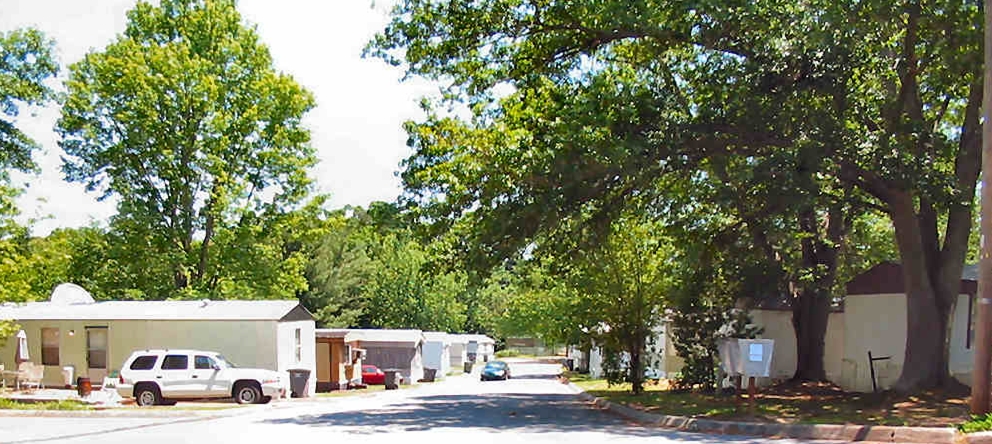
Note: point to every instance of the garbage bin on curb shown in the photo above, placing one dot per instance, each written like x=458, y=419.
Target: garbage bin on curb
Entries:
x=392, y=379
x=430, y=374
x=299, y=382
x=468, y=367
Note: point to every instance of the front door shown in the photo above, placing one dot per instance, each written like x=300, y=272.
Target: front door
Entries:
x=96, y=354
x=208, y=378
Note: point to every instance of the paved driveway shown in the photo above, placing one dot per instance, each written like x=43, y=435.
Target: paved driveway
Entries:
x=531, y=408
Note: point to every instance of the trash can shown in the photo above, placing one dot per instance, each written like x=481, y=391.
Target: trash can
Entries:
x=83, y=387
x=392, y=379
x=67, y=373
x=570, y=364
x=299, y=382
x=468, y=367
x=430, y=374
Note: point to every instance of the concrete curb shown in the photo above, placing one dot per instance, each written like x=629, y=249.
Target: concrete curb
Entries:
x=933, y=435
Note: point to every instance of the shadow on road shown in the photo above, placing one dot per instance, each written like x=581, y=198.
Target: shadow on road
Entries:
x=532, y=413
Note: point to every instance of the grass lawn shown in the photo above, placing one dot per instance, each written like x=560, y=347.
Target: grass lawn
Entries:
x=8, y=404
x=343, y=393
x=789, y=404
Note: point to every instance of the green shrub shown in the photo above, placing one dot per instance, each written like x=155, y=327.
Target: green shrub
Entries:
x=978, y=423
x=508, y=353
x=10, y=404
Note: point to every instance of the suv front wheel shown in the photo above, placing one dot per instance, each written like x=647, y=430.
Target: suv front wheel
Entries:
x=247, y=393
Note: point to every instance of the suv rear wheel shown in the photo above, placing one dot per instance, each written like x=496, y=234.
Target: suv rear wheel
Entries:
x=147, y=395
x=247, y=393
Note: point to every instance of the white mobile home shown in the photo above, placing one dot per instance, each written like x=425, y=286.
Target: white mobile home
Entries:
x=437, y=352
x=94, y=338
x=458, y=351
x=401, y=350
x=479, y=348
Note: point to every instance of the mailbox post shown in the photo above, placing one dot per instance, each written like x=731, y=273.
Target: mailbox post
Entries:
x=747, y=357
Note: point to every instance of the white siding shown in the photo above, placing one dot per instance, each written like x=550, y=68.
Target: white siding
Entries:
x=961, y=356
x=287, y=345
x=247, y=343
x=777, y=325
x=437, y=355
x=877, y=323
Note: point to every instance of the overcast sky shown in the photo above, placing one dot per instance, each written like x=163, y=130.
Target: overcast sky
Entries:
x=356, y=126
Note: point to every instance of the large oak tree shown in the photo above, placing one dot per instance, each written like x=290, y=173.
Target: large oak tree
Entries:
x=185, y=121
x=883, y=96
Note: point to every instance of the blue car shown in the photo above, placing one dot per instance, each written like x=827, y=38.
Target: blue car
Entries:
x=495, y=371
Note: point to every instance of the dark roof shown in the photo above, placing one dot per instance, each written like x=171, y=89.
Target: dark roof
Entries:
x=886, y=278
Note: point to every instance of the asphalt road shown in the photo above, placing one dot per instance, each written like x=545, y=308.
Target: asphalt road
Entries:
x=532, y=407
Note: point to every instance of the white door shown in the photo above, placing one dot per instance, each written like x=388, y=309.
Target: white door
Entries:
x=96, y=354
x=208, y=379
x=175, y=376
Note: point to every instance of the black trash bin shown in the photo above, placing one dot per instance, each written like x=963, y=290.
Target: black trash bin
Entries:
x=570, y=364
x=468, y=367
x=299, y=381
x=392, y=379
x=430, y=374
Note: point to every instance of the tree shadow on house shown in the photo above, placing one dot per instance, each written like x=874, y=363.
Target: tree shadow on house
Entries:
x=531, y=413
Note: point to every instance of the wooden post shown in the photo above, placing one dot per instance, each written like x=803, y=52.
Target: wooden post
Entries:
x=752, y=393
x=982, y=372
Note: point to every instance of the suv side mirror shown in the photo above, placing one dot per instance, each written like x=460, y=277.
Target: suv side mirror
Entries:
x=216, y=367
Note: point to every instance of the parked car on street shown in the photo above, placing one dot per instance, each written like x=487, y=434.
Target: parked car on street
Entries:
x=154, y=377
x=494, y=371
x=371, y=375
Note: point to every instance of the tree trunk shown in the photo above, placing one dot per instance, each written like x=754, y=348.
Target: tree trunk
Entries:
x=925, y=361
x=636, y=372
x=810, y=314
x=811, y=307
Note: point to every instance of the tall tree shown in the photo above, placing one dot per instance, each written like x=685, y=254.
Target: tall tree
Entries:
x=185, y=121
x=886, y=94
x=26, y=62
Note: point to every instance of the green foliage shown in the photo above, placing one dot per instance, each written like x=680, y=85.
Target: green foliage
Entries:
x=185, y=121
x=368, y=270
x=813, y=112
x=508, y=353
x=337, y=273
x=403, y=293
x=10, y=404
x=7, y=330
x=26, y=61
x=977, y=423
x=697, y=332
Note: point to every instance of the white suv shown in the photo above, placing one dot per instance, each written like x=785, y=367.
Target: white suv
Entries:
x=153, y=376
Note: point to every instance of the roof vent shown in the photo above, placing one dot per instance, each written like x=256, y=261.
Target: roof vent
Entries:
x=70, y=294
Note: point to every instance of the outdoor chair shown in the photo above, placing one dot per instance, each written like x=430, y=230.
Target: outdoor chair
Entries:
x=29, y=373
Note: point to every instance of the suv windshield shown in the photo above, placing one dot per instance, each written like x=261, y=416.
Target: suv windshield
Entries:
x=225, y=361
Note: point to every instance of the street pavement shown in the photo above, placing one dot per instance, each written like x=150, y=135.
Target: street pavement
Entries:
x=533, y=407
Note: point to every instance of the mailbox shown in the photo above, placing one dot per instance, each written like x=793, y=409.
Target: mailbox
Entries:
x=746, y=357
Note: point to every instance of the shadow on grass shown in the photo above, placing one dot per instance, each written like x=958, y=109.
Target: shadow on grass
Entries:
x=530, y=413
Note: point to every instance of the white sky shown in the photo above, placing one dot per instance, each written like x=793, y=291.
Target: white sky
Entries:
x=356, y=126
